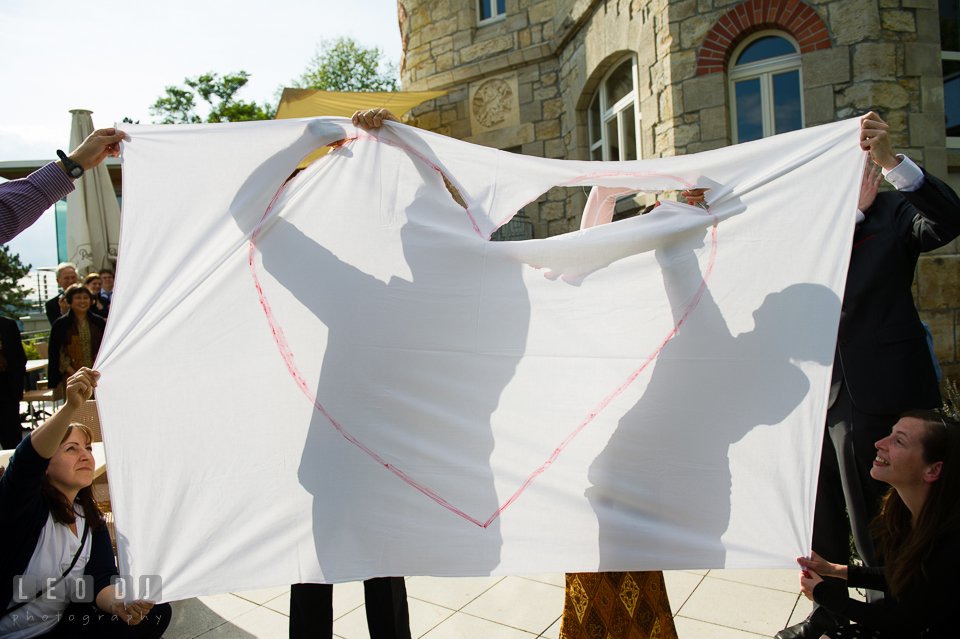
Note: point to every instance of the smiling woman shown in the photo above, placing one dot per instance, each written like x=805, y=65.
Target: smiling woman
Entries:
x=61, y=541
x=918, y=535
x=74, y=338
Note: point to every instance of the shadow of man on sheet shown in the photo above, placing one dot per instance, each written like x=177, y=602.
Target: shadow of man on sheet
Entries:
x=661, y=488
x=413, y=371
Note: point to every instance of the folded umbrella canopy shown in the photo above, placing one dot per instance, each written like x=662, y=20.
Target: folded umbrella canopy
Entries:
x=93, y=215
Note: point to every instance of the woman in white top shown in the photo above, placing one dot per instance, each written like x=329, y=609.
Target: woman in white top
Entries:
x=54, y=539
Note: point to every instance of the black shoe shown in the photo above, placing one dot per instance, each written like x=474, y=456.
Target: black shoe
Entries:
x=819, y=622
x=803, y=630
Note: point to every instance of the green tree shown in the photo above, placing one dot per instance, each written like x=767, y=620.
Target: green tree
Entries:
x=13, y=297
x=344, y=65
x=177, y=106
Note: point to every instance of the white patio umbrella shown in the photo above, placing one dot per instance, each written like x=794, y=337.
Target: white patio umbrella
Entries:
x=93, y=215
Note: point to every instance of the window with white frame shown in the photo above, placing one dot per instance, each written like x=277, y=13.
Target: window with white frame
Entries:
x=950, y=57
x=765, y=87
x=490, y=10
x=613, y=119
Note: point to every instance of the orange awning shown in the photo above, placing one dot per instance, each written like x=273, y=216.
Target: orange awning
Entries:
x=306, y=103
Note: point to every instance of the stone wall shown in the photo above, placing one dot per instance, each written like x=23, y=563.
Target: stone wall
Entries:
x=525, y=82
x=503, y=80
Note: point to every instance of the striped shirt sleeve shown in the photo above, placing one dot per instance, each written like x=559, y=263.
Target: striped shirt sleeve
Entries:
x=23, y=201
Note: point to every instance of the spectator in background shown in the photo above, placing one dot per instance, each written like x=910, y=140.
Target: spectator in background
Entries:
x=13, y=362
x=66, y=277
x=106, y=290
x=75, y=338
x=23, y=201
x=98, y=305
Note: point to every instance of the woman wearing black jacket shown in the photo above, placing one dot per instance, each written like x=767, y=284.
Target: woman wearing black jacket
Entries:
x=74, y=338
x=917, y=534
x=53, y=528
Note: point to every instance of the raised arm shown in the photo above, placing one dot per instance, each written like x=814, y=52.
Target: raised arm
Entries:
x=23, y=201
x=930, y=216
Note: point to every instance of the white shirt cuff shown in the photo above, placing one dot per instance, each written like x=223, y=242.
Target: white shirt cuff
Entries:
x=906, y=176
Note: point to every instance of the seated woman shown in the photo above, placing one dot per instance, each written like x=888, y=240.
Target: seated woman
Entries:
x=75, y=337
x=98, y=305
x=54, y=529
x=917, y=534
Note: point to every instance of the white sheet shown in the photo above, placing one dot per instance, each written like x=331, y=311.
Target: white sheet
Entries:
x=343, y=377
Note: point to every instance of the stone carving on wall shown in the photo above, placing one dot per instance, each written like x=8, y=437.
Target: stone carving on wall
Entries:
x=494, y=104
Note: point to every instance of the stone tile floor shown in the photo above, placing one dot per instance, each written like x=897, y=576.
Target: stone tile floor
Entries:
x=707, y=604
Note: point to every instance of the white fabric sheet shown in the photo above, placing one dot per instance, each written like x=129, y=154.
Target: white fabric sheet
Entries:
x=343, y=377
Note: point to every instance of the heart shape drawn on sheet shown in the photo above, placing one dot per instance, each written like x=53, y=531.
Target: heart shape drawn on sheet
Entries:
x=287, y=354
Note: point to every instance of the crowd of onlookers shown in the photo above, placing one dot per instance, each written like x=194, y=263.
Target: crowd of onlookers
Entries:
x=77, y=321
x=77, y=314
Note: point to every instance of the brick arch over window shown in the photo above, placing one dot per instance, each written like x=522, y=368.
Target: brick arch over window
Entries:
x=793, y=16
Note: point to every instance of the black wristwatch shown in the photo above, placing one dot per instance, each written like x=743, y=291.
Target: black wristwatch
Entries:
x=73, y=169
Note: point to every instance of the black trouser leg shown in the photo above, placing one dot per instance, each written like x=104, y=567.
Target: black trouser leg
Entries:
x=830, y=529
x=386, y=606
x=311, y=611
x=846, y=489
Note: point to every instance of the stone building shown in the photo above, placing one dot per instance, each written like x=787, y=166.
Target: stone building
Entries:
x=629, y=79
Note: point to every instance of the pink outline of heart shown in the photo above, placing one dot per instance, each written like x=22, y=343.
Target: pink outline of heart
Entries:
x=288, y=359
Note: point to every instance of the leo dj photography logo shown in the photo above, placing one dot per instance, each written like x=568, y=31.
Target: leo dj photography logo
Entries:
x=57, y=589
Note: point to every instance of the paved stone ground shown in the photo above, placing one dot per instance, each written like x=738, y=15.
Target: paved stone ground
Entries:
x=708, y=604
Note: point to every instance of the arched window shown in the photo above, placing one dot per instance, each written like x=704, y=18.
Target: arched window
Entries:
x=765, y=87
x=613, y=117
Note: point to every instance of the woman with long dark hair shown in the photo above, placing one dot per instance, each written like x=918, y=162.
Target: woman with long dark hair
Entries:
x=74, y=338
x=56, y=561
x=917, y=534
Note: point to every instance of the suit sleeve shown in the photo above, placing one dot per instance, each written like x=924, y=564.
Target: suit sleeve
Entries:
x=52, y=308
x=929, y=217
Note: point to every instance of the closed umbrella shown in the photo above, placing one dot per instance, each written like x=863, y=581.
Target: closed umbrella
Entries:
x=93, y=215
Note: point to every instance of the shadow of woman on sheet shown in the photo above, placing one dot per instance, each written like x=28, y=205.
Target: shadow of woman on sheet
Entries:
x=661, y=488
x=412, y=370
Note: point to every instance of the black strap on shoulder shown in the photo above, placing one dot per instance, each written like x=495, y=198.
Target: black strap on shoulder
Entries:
x=76, y=557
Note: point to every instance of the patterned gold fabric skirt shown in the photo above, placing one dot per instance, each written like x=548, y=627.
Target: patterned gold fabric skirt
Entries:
x=616, y=605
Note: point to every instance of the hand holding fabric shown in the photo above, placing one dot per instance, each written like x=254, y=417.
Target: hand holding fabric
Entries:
x=809, y=581
x=133, y=613
x=875, y=138
x=373, y=118
x=823, y=567
x=97, y=147
x=695, y=196
x=80, y=387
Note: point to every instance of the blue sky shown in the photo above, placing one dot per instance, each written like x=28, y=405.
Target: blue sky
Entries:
x=115, y=58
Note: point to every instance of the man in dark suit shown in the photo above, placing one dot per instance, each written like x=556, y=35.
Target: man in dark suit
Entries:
x=66, y=276
x=883, y=365
x=13, y=362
